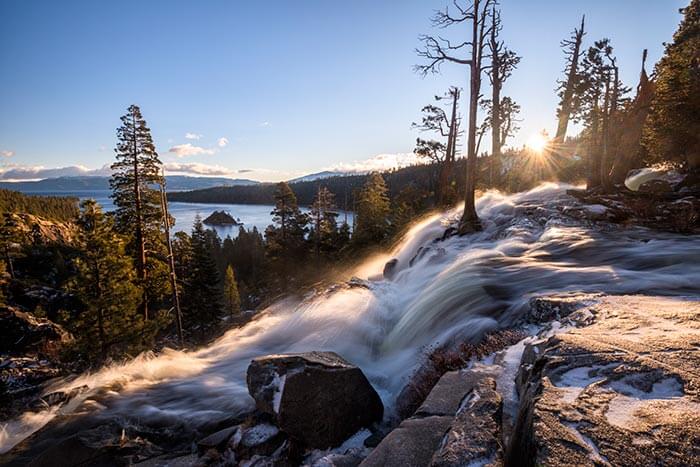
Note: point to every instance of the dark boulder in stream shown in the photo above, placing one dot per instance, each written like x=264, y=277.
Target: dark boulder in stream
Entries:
x=317, y=398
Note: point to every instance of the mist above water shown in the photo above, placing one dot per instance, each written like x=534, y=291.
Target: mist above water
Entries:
x=443, y=291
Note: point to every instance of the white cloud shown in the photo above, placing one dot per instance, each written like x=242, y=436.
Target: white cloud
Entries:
x=193, y=135
x=7, y=153
x=195, y=168
x=38, y=172
x=187, y=149
x=264, y=124
x=222, y=142
x=380, y=162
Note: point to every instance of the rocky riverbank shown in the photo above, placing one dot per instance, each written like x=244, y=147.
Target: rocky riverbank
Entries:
x=600, y=380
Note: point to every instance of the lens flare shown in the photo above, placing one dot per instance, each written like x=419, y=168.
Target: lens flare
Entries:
x=538, y=142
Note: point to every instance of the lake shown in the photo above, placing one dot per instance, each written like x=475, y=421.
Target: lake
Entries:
x=251, y=215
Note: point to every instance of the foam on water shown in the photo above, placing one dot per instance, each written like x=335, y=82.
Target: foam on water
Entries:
x=459, y=288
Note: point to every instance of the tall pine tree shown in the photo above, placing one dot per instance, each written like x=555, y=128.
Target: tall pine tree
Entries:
x=372, y=212
x=202, y=296
x=135, y=176
x=110, y=324
x=286, y=239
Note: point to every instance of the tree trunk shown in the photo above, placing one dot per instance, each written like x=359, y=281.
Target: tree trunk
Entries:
x=566, y=102
x=448, y=162
x=495, y=106
x=100, y=314
x=470, y=220
x=604, y=154
x=594, y=151
x=171, y=263
x=140, y=242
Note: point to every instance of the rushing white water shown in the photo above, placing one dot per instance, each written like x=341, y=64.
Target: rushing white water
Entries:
x=459, y=288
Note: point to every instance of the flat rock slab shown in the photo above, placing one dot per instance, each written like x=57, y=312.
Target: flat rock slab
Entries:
x=623, y=390
x=412, y=444
x=447, y=395
x=457, y=424
x=474, y=438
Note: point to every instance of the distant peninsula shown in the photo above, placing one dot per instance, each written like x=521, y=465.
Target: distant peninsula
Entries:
x=221, y=218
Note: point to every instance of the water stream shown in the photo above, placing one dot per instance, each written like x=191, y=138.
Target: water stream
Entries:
x=458, y=288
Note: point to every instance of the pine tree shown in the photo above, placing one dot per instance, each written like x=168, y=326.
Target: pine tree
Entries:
x=202, y=290
x=135, y=175
x=672, y=132
x=110, y=323
x=372, y=212
x=323, y=217
x=231, y=296
x=286, y=241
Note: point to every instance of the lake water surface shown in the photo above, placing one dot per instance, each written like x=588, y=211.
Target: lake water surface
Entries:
x=251, y=215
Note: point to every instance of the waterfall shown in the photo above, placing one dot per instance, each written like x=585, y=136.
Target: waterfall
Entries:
x=443, y=290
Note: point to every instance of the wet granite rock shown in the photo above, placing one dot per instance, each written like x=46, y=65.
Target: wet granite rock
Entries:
x=389, y=271
x=460, y=419
x=317, y=398
x=474, y=438
x=413, y=443
x=623, y=390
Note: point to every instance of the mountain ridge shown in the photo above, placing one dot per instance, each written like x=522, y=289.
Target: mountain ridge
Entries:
x=85, y=183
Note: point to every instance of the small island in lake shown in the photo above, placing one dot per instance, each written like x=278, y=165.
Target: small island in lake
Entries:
x=221, y=218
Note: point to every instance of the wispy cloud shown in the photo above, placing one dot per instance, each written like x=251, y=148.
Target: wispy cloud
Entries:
x=196, y=168
x=7, y=153
x=222, y=142
x=188, y=149
x=38, y=172
x=193, y=136
x=379, y=162
x=265, y=124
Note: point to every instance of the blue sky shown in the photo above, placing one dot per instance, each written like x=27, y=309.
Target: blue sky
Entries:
x=293, y=86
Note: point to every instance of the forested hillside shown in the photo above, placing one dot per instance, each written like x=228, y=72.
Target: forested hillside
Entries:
x=48, y=207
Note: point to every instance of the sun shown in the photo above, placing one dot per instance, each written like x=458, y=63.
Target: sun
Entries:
x=538, y=142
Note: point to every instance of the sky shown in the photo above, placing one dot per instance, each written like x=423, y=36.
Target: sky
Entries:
x=268, y=90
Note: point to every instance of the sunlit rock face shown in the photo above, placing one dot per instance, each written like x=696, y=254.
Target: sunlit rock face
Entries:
x=620, y=390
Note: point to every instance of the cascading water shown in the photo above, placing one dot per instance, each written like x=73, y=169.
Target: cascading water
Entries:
x=458, y=288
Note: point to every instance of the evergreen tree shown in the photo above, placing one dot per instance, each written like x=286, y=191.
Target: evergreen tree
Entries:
x=110, y=323
x=372, y=212
x=202, y=290
x=325, y=226
x=286, y=243
x=672, y=131
x=231, y=296
x=135, y=175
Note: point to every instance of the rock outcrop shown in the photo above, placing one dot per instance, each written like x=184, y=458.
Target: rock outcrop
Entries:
x=623, y=390
x=614, y=382
x=20, y=331
x=317, y=398
x=458, y=423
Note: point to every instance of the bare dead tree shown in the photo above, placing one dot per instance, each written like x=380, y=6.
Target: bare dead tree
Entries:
x=171, y=260
x=436, y=51
x=568, y=89
x=435, y=120
x=503, y=62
